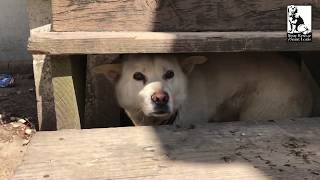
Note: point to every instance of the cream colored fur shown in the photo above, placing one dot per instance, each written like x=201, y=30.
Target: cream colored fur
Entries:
x=227, y=87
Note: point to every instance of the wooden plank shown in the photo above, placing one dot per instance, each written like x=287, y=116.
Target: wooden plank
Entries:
x=43, y=87
x=59, y=82
x=68, y=84
x=60, y=97
x=39, y=13
x=156, y=42
x=286, y=149
x=101, y=107
x=312, y=65
x=175, y=15
x=311, y=59
x=44, y=92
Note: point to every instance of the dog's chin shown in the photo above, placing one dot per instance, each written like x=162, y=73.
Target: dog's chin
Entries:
x=160, y=114
x=156, y=111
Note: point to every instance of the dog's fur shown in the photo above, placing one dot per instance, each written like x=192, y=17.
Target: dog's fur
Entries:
x=296, y=22
x=226, y=87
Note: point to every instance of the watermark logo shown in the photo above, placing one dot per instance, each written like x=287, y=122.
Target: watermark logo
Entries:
x=299, y=23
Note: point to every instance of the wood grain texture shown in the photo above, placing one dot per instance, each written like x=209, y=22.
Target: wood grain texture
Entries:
x=311, y=67
x=68, y=84
x=42, y=71
x=44, y=92
x=157, y=42
x=175, y=15
x=286, y=149
x=101, y=107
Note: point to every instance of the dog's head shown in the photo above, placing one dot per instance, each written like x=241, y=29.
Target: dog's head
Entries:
x=292, y=10
x=154, y=84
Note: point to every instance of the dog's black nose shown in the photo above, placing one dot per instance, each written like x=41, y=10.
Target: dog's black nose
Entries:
x=160, y=98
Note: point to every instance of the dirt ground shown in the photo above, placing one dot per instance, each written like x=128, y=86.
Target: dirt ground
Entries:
x=17, y=119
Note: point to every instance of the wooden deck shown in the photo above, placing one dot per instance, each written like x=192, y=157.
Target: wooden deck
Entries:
x=287, y=149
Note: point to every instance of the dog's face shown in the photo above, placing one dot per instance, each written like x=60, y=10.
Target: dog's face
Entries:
x=292, y=10
x=154, y=84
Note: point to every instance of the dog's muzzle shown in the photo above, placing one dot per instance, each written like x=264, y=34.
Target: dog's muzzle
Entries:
x=160, y=101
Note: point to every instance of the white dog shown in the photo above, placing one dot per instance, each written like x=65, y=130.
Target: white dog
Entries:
x=154, y=88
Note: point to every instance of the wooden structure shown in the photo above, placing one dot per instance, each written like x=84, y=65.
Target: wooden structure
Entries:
x=287, y=149
x=174, y=15
x=82, y=28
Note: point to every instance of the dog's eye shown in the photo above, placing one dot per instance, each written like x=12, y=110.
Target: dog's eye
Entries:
x=139, y=76
x=168, y=75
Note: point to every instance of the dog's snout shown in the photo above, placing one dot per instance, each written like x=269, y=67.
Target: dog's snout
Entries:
x=160, y=98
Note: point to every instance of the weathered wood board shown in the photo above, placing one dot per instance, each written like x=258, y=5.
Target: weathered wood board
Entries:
x=288, y=149
x=60, y=97
x=175, y=15
x=60, y=86
x=159, y=42
x=311, y=70
x=101, y=107
x=42, y=71
x=44, y=92
x=68, y=85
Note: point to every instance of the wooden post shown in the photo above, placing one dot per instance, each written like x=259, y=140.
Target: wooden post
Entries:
x=310, y=68
x=101, y=109
x=68, y=85
x=60, y=87
x=44, y=93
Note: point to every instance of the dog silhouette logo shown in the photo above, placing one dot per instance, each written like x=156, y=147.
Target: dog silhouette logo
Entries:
x=299, y=23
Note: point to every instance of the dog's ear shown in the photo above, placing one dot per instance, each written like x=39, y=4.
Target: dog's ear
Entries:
x=188, y=63
x=111, y=71
x=289, y=8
